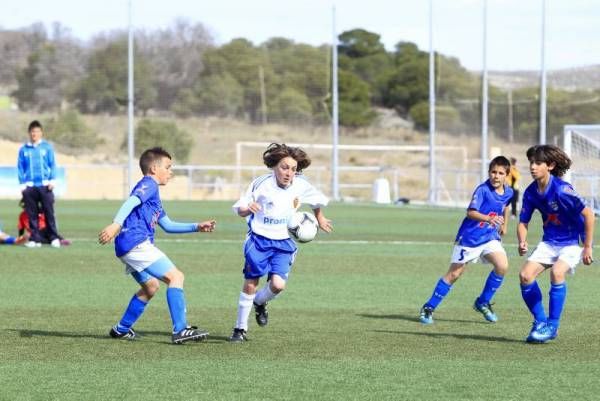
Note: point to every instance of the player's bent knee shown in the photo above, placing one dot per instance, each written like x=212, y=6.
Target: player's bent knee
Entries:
x=174, y=277
x=526, y=277
x=501, y=269
x=453, y=275
x=277, y=284
x=151, y=287
x=250, y=286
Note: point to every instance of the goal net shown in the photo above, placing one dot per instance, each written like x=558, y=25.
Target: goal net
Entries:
x=582, y=144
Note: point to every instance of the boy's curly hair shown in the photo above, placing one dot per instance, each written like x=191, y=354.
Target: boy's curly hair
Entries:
x=275, y=152
x=550, y=154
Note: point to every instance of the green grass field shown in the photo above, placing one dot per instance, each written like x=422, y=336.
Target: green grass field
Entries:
x=345, y=329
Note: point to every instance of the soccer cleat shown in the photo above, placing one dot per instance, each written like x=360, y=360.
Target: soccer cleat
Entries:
x=238, y=336
x=262, y=316
x=32, y=244
x=55, y=243
x=486, y=310
x=426, y=315
x=543, y=333
x=535, y=326
x=130, y=335
x=190, y=333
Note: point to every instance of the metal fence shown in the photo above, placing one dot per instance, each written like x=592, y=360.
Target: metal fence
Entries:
x=215, y=93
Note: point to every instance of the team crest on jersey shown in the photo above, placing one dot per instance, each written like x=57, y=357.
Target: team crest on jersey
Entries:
x=142, y=189
x=553, y=205
x=296, y=203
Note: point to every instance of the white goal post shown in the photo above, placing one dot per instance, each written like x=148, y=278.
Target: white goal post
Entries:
x=458, y=153
x=582, y=144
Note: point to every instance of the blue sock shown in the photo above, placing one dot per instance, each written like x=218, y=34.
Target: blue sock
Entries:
x=9, y=240
x=532, y=295
x=176, y=301
x=558, y=294
x=492, y=284
x=132, y=314
x=439, y=292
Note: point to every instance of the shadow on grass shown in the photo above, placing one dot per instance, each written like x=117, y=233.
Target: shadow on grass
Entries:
x=459, y=336
x=415, y=318
x=63, y=334
x=142, y=336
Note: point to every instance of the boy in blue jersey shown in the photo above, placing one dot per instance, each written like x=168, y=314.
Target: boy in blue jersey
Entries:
x=479, y=238
x=36, y=166
x=567, y=221
x=268, y=203
x=134, y=245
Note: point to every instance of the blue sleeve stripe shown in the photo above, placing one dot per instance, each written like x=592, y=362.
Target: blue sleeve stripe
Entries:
x=260, y=180
x=131, y=203
x=174, y=227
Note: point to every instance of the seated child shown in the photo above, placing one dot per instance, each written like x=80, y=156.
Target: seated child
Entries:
x=25, y=231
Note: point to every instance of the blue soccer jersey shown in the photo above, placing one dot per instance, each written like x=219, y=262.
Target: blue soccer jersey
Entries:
x=560, y=207
x=140, y=225
x=487, y=201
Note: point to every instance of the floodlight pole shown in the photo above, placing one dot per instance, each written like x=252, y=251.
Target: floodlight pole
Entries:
x=543, y=78
x=130, y=99
x=335, y=187
x=484, y=100
x=432, y=172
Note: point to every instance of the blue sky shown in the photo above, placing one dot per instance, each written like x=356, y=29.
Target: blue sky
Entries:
x=514, y=26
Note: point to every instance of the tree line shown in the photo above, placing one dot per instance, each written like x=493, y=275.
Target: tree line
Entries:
x=180, y=71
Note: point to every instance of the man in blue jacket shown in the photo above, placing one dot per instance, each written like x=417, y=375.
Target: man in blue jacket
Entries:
x=37, y=172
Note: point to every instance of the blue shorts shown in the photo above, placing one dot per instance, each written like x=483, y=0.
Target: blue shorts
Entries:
x=267, y=256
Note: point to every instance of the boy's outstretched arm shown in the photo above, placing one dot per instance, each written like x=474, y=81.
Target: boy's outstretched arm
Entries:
x=588, y=222
x=174, y=227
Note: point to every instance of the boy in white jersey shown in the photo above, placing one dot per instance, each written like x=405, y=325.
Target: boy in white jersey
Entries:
x=135, y=224
x=268, y=203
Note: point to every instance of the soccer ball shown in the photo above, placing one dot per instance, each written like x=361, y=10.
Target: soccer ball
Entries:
x=303, y=226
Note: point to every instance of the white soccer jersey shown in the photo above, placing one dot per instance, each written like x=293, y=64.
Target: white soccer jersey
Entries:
x=277, y=204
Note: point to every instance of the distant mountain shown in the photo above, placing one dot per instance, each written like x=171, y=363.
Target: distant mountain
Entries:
x=571, y=79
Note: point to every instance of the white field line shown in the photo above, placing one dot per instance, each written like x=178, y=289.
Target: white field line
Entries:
x=316, y=242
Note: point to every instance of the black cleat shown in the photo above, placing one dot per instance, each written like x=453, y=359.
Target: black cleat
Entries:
x=130, y=335
x=238, y=336
x=190, y=333
x=262, y=316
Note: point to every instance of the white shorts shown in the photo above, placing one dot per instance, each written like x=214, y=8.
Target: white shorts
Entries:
x=547, y=254
x=142, y=256
x=466, y=254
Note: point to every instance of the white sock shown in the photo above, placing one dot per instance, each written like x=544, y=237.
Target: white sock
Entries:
x=244, y=308
x=264, y=295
